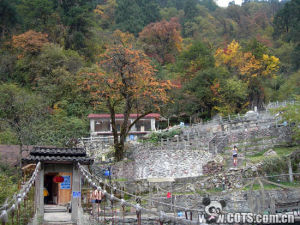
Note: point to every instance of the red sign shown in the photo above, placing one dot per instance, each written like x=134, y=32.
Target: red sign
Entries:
x=58, y=179
x=169, y=195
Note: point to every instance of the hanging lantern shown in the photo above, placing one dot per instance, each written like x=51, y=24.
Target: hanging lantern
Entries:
x=169, y=195
x=58, y=179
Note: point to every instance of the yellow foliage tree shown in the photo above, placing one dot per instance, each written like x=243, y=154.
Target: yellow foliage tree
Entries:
x=248, y=68
x=106, y=11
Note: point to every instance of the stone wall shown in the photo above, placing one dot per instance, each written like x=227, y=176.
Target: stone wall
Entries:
x=146, y=163
x=169, y=163
x=185, y=154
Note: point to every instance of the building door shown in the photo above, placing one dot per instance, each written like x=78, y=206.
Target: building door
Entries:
x=65, y=188
x=50, y=189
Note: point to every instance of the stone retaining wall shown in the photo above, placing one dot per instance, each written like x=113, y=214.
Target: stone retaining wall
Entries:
x=162, y=163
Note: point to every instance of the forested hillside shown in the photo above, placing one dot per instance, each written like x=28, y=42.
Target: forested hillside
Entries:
x=192, y=57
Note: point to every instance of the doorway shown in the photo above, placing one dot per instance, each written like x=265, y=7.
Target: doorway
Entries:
x=52, y=188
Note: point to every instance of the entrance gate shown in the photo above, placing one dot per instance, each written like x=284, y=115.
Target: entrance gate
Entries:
x=58, y=162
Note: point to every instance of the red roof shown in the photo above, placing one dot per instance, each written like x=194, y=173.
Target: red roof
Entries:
x=102, y=116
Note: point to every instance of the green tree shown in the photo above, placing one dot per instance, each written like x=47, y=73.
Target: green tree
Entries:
x=287, y=25
x=256, y=48
x=231, y=96
x=61, y=130
x=197, y=57
x=291, y=87
x=129, y=16
x=35, y=13
x=8, y=17
x=199, y=96
x=133, y=15
x=287, y=21
x=291, y=115
x=7, y=186
x=190, y=10
x=20, y=111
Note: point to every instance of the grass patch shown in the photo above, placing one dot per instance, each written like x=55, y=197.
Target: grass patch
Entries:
x=282, y=151
x=120, y=180
x=255, y=140
x=257, y=157
x=271, y=186
x=214, y=190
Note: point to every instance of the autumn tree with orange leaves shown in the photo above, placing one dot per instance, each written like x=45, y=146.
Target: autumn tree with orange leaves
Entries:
x=125, y=80
x=162, y=40
x=30, y=42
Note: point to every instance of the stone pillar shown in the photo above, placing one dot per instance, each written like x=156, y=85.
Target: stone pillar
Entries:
x=133, y=128
x=152, y=124
x=39, y=192
x=75, y=199
x=92, y=126
x=290, y=170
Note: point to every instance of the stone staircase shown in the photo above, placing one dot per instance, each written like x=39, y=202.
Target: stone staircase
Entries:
x=56, y=215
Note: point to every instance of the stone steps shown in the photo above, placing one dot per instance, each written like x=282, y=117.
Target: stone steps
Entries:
x=55, y=209
x=59, y=223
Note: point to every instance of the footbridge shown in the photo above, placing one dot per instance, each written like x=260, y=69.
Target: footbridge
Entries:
x=64, y=174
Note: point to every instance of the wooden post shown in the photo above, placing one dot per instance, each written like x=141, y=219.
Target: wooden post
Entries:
x=139, y=219
x=123, y=208
x=112, y=211
x=12, y=218
x=172, y=203
x=104, y=200
x=150, y=194
x=290, y=170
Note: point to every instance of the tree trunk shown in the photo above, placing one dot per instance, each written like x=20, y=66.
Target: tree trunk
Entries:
x=119, y=151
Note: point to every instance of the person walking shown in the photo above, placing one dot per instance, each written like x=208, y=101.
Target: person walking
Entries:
x=96, y=197
x=234, y=155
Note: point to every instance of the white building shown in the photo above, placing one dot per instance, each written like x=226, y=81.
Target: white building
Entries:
x=100, y=124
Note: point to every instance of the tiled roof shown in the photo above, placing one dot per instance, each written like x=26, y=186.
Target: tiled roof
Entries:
x=82, y=160
x=100, y=116
x=46, y=154
x=58, y=151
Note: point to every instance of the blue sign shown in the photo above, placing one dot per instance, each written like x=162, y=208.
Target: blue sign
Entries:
x=180, y=214
x=107, y=173
x=67, y=183
x=131, y=137
x=76, y=194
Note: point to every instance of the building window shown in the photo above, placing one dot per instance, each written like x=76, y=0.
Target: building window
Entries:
x=101, y=125
x=143, y=125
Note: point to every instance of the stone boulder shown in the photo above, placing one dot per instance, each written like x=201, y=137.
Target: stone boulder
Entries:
x=270, y=152
x=212, y=167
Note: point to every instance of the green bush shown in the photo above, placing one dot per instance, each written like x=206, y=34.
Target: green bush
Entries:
x=156, y=137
